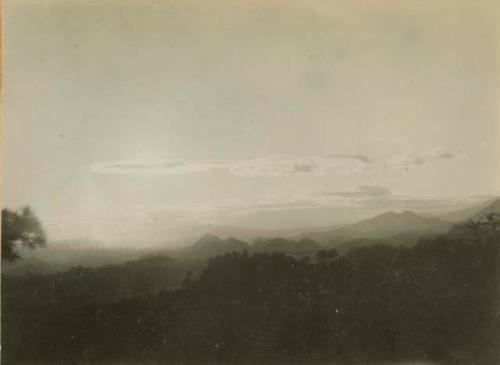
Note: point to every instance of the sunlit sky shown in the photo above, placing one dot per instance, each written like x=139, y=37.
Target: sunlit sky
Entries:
x=123, y=115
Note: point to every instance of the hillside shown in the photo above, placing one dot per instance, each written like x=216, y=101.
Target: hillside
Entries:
x=265, y=306
x=109, y=283
x=493, y=207
x=391, y=223
x=464, y=214
x=382, y=226
x=61, y=256
x=407, y=239
x=210, y=245
x=460, y=230
x=303, y=246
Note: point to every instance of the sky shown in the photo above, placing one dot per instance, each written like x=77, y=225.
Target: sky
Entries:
x=133, y=118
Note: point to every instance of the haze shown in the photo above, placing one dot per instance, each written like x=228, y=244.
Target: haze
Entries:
x=131, y=119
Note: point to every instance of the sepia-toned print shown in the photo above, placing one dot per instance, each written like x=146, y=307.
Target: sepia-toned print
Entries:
x=250, y=182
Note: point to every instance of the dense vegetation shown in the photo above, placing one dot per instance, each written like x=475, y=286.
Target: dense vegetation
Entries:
x=20, y=229
x=438, y=300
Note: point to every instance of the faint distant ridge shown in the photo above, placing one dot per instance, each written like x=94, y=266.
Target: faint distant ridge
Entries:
x=391, y=228
x=383, y=226
x=493, y=207
x=394, y=223
x=467, y=213
x=460, y=230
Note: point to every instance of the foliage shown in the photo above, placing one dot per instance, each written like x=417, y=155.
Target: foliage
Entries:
x=20, y=228
x=437, y=301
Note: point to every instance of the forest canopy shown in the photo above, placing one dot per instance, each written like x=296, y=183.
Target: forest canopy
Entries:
x=436, y=301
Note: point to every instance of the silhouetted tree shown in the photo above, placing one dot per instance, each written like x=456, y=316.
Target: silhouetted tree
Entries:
x=20, y=228
x=485, y=227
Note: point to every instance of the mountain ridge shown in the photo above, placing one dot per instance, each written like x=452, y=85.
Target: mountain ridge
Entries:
x=382, y=226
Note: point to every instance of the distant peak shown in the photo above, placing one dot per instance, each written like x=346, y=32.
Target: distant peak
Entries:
x=388, y=214
x=391, y=214
x=208, y=237
x=409, y=213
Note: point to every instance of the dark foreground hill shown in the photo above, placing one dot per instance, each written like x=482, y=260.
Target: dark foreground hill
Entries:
x=435, y=302
x=61, y=256
x=105, y=284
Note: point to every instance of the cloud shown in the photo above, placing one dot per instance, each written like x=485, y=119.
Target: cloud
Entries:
x=443, y=155
x=412, y=159
x=309, y=207
x=361, y=158
x=304, y=168
x=362, y=191
x=267, y=166
x=235, y=207
x=380, y=198
x=396, y=202
x=408, y=161
x=283, y=205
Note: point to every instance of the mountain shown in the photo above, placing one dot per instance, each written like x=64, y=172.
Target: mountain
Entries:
x=391, y=223
x=210, y=245
x=407, y=239
x=383, y=226
x=242, y=233
x=302, y=246
x=466, y=213
x=187, y=235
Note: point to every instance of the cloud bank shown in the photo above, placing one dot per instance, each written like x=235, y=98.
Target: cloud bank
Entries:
x=371, y=198
x=412, y=159
x=267, y=166
x=362, y=191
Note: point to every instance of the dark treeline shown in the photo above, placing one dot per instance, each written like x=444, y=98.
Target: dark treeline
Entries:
x=438, y=301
